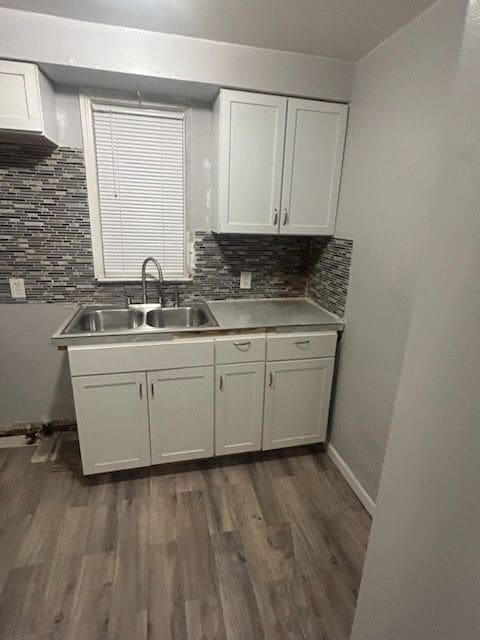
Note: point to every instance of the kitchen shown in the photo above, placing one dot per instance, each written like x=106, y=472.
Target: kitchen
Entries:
x=245, y=232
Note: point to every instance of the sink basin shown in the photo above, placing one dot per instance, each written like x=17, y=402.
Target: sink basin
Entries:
x=138, y=320
x=104, y=320
x=194, y=316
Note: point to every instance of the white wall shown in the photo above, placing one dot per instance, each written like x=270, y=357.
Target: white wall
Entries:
x=388, y=178
x=422, y=572
x=77, y=45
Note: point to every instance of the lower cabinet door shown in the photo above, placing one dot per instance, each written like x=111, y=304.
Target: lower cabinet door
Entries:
x=297, y=399
x=239, y=407
x=112, y=419
x=181, y=414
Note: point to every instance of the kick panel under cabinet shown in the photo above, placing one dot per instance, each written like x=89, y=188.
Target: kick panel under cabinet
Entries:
x=279, y=163
x=185, y=399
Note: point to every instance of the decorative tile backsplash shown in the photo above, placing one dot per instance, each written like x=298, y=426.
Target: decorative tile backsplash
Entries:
x=45, y=239
x=329, y=273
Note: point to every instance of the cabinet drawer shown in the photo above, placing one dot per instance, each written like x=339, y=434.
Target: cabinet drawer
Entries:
x=240, y=349
x=296, y=346
x=114, y=358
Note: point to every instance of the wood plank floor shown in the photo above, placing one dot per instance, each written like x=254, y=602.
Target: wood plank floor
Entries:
x=266, y=548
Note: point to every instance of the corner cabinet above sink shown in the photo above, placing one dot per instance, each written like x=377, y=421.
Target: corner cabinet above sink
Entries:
x=279, y=163
x=27, y=104
x=139, y=404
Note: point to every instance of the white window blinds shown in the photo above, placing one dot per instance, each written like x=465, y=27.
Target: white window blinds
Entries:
x=141, y=179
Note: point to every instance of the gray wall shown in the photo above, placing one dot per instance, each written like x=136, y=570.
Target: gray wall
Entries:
x=387, y=182
x=69, y=47
x=200, y=146
x=34, y=378
x=83, y=54
x=422, y=573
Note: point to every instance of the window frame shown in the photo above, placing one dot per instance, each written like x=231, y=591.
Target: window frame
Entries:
x=93, y=197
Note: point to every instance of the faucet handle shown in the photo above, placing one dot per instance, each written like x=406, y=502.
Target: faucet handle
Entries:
x=128, y=301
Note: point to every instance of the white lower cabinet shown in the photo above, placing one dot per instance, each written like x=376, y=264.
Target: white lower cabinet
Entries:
x=181, y=414
x=112, y=417
x=297, y=399
x=239, y=407
x=197, y=398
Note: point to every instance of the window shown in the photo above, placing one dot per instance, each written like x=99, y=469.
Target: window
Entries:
x=135, y=161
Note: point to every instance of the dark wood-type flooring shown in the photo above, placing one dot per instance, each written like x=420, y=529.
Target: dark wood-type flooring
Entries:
x=264, y=548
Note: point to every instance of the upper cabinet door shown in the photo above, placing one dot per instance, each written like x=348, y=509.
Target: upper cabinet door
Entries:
x=313, y=161
x=251, y=143
x=27, y=104
x=20, y=108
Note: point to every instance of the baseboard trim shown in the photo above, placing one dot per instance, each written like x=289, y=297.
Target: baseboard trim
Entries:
x=351, y=479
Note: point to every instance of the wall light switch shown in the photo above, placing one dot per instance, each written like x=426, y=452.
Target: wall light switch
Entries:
x=17, y=288
x=245, y=280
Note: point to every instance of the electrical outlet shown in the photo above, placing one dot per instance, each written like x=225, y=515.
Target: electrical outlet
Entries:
x=245, y=280
x=17, y=288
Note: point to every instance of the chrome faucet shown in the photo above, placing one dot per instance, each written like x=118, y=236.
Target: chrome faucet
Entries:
x=144, y=278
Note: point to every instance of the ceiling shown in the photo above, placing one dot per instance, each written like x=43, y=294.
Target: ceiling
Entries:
x=345, y=29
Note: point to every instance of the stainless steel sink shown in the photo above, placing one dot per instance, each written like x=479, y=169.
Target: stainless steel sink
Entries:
x=138, y=319
x=105, y=320
x=194, y=316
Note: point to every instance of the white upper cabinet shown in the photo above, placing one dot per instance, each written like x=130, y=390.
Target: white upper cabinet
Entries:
x=251, y=137
x=279, y=164
x=312, y=165
x=27, y=103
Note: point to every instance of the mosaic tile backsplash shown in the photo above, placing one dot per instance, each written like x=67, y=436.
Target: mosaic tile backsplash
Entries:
x=45, y=239
x=329, y=273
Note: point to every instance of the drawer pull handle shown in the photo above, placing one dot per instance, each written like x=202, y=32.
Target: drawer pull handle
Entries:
x=301, y=343
x=221, y=383
x=239, y=345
